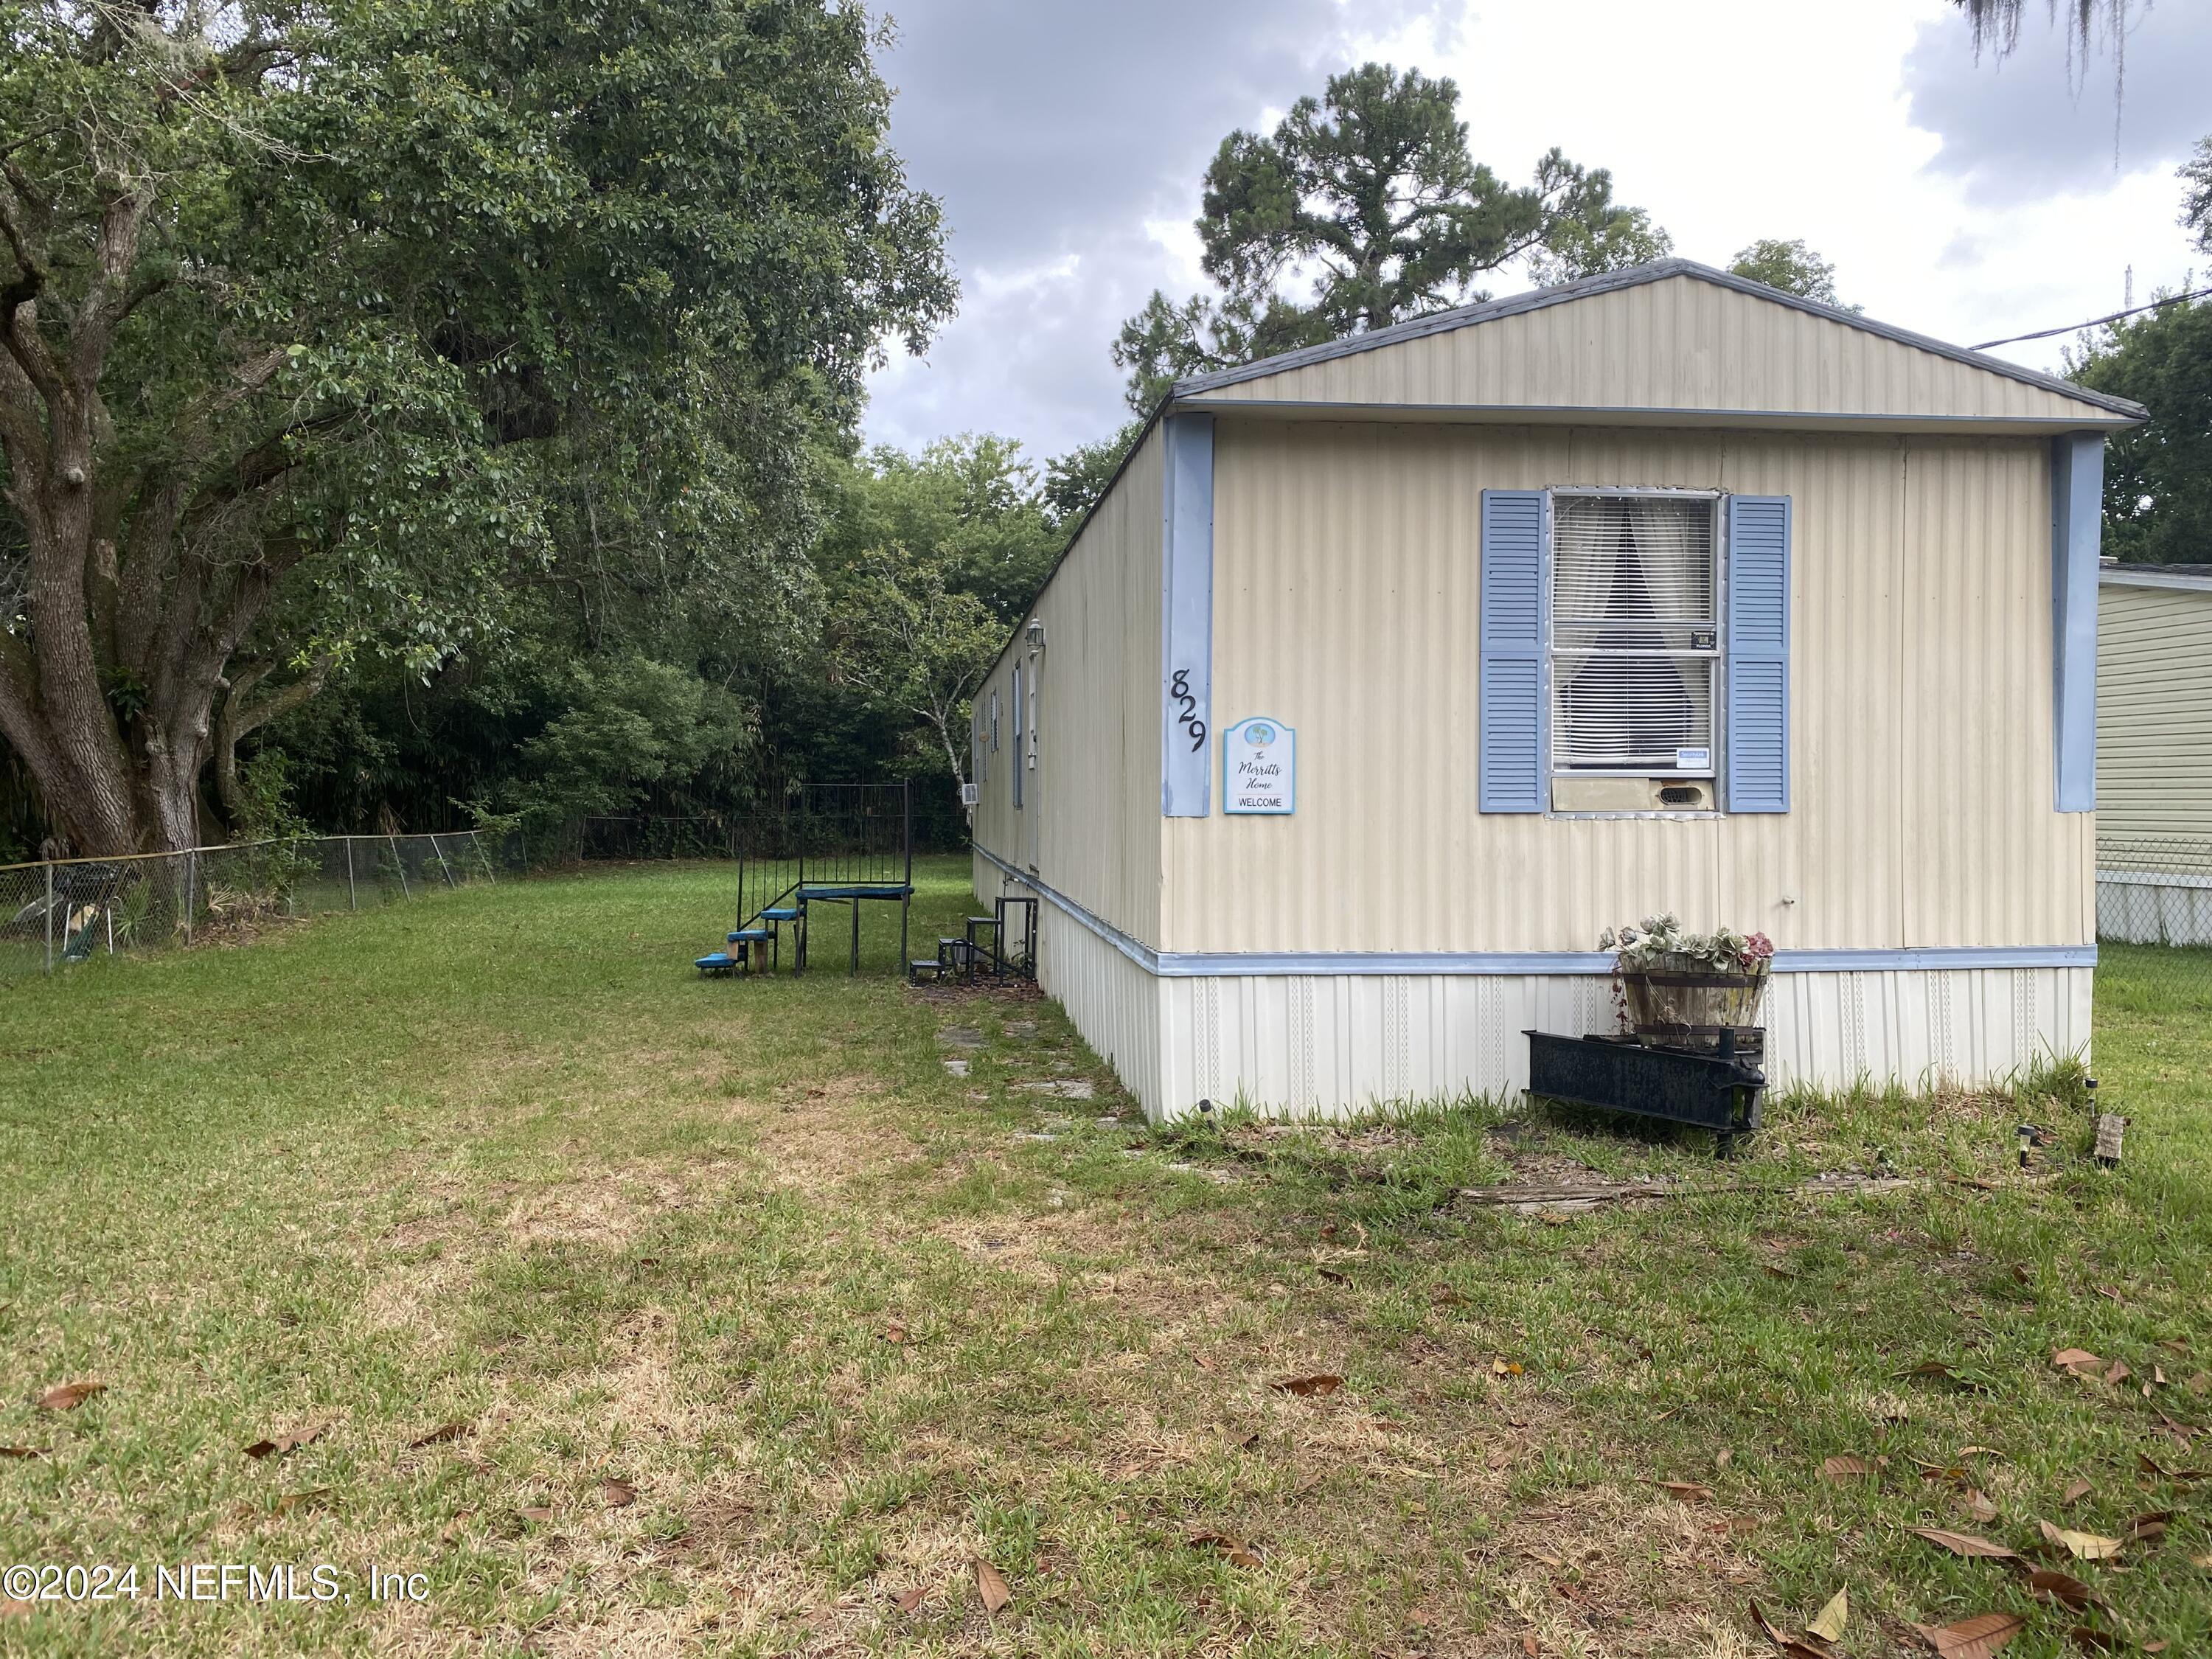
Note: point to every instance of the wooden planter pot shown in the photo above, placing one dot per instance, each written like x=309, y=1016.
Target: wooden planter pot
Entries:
x=1679, y=1002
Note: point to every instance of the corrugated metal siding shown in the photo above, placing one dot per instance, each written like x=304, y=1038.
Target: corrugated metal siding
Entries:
x=1346, y=605
x=1677, y=343
x=1330, y=1045
x=1090, y=818
x=2153, y=712
x=1114, y=1003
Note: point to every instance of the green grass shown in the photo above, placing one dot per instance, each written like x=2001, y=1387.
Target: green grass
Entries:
x=845, y=1322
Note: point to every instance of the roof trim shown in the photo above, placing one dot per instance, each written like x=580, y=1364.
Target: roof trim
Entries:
x=1610, y=281
x=2149, y=576
x=1672, y=418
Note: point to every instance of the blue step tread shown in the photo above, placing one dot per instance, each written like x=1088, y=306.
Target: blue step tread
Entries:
x=745, y=933
x=782, y=912
x=716, y=961
x=864, y=890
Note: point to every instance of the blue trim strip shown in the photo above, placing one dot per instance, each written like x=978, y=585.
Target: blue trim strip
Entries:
x=1234, y=964
x=1187, y=619
x=2077, y=519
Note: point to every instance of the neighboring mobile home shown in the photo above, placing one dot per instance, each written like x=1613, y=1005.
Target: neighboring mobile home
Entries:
x=2155, y=753
x=1389, y=673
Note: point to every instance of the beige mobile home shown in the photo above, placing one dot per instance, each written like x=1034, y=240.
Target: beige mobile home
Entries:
x=1387, y=673
x=2154, y=754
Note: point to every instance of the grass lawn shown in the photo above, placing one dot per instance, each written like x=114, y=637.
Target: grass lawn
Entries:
x=645, y=1315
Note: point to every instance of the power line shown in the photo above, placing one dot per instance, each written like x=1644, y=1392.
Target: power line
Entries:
x=2094, y=322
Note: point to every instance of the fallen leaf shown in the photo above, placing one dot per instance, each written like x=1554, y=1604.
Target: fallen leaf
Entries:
x=2150, y=1465
x=2077, y=1490
x=22, y=1451
x=1504, y=1367
x=1829, y=1625
x=894, y=1333
x=2047, y=1584
x=1529, y=1647
x=2094, y=1640
x=538, y=1513
x=615, y=1494
x=909, y=1601
x=991, y=1585
x=452, y=1527
x=2149, y=1529
x=293, y=1500
x=1963, y=1543
x=1687, y=1490
x=2200, y=1383
x=1723, y=1457
x=1235, y=1550
x=284, y=1444
x=2110, y=1291
x=1979, y=1451
x=2078, y=1361
x=1774, y=1635
x=2083, y=1546
x=12, y=1609
x=2158, y=1646
x=1848, y=1468
x=1333, y=1276
x=1980, y=1506
x=2119, y=1372
x=439, y=1436
x=1319, y=1383
x=69, y=1396
x=1972, y=1639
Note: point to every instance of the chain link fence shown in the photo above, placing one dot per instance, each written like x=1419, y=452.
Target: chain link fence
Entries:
x=66, y=910
x=2156, y=891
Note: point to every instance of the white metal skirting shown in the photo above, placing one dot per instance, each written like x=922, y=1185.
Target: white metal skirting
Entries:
x=2154, y=906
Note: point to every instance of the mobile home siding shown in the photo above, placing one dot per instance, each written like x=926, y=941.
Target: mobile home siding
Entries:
x=1347, y=605
x=1677, y=344
x=2153, y=712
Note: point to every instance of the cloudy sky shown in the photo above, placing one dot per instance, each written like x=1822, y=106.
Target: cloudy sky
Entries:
x=1067, y=139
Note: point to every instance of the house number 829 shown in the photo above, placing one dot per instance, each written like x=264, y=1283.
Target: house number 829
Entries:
x=1179, y=691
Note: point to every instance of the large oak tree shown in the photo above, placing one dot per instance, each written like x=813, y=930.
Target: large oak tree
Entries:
x=325, y=323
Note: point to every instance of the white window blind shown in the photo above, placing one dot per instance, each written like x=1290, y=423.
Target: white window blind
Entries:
x=1635, y=643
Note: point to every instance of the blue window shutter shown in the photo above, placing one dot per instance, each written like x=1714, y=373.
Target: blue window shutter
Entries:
x=1758, y=736
x=1516, y=527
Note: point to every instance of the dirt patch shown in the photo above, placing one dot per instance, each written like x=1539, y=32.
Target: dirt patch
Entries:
x=603, y=1210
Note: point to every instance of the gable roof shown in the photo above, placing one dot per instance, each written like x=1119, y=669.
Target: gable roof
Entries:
x=2095, y=407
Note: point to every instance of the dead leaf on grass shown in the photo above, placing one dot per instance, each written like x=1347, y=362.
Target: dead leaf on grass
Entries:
x=1964, y=1543
x=2149, y=1529
x=1235, y=1550
x=537, y=1513
x=617, y=1494
x=2077, y=1490
x=2119, y=1372
x=2078, y=1361
x=894, y=1333
x=2093, y=1640
x=1321, y=1383
x=308, y=1499
x=1972, y=1639
x=22, y=1451
x=991, y=1585
x=69, y=1396
x=285, y=1444
x=1850, y=1467
x=2083, y=1546
x=1829, y=1624
x=1686, y=1490
x=908, y=1602
x=1333, y=1276
x=1980, y=1506
x=2048, y=1584
x=438, y=1436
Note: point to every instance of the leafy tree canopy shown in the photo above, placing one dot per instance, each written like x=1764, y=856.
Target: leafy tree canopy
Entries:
x=2158, y=477
x=1369, y=198
x=331, y=332
x=1790, y=266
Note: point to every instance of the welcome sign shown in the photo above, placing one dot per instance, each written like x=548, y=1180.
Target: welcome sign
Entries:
x=1259, y=766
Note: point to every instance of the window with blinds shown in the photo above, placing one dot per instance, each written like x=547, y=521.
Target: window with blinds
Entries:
x=1635, y=645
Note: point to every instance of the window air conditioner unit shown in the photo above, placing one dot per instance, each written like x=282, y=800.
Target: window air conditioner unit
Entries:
x=1573, y=794
x=970, y=795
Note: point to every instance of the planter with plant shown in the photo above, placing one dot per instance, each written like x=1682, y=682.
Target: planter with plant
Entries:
x=1681, y=990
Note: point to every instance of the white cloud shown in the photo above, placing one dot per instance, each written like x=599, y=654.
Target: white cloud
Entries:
x=1070, y=156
